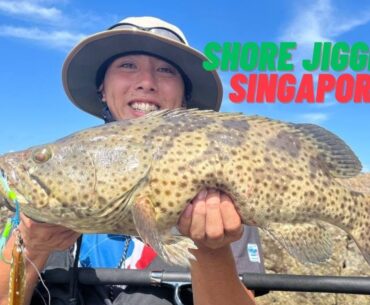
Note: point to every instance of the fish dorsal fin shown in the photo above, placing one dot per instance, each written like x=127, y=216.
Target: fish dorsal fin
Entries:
x=181, y=112
x=339, y=157
x=340, y=160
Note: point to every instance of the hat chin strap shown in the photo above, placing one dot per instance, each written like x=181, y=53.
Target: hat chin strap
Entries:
x=107, y=115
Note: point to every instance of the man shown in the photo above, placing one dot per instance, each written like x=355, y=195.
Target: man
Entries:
x=138, y=66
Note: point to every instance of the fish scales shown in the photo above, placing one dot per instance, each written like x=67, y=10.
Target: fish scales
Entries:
x=137, y=176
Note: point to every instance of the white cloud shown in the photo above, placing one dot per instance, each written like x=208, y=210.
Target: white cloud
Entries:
x=314, y=118
x=49, y=1
x=344, y=24
x=45, y=22
x=319, y=20
x=54, y=39
x=31, y=9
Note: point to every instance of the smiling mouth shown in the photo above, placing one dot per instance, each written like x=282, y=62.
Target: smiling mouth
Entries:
x=144, y=106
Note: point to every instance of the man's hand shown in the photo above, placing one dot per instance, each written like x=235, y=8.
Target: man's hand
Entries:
x=42, y=238
x=211, y=220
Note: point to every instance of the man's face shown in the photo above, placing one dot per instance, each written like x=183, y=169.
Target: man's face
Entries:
x=137, y=84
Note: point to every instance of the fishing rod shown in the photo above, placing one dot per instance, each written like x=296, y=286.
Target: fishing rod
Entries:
x=178, y=280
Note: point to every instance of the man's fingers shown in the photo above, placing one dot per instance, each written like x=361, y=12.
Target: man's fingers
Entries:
x=214, y=224
x=43, y=237
x=68, y=240
x=211, y=220
x=184, y=222
x=65, y=240
x=198, y=221
x=231, y=219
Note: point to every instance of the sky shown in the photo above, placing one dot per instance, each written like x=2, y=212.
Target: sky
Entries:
x=36, y=36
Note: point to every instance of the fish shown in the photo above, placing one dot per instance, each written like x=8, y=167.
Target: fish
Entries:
x=359, y=183
x=137, y=176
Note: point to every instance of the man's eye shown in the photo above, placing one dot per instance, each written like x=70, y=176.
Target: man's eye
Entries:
x=167, y=70
x=128, y=65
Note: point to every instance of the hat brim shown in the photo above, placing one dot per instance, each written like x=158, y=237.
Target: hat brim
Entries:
x=81, y=66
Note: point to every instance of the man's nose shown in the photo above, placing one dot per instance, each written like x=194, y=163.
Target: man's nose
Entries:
x=147, y=81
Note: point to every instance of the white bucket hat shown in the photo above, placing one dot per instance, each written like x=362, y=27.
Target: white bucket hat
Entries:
x=84, y=65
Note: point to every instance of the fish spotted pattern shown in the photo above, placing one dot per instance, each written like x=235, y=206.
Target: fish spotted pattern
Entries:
x=137, y=176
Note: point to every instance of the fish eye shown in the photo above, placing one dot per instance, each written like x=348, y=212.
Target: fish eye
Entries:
x=41, y=155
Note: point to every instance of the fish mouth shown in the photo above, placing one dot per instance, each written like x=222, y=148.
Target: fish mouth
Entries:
x=5, y=186
x=4, y=200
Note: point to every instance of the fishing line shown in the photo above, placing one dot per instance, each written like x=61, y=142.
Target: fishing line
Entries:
x=41, y=296
x=11, y=225
x=41, y=280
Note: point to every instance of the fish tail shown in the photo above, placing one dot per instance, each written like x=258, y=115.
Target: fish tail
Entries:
x=361, y=224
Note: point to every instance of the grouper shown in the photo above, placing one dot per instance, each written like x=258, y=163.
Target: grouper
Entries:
x=137, y=176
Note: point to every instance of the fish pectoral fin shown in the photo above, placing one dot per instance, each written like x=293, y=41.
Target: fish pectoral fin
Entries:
x=308, y=242
x=173, y=249
x=176, y=248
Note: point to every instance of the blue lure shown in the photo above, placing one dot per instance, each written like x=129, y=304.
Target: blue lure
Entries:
x=11, y=223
